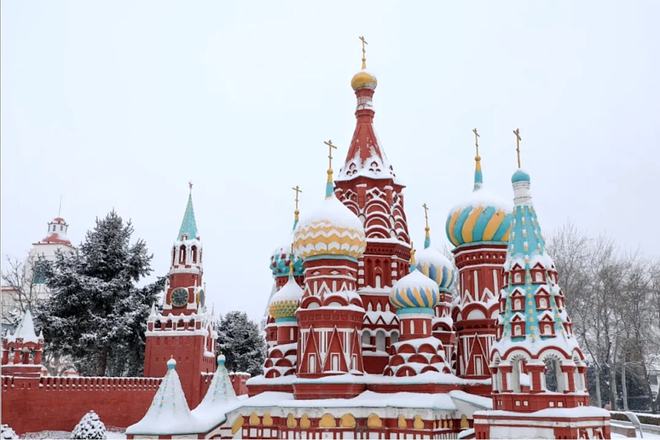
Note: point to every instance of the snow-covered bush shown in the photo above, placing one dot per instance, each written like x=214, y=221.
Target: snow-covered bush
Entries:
x=6, y=433
x=89, y=427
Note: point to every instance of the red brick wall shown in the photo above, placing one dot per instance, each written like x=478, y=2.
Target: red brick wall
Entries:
x=58, y=403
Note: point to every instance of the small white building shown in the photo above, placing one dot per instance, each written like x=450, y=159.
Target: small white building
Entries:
x=33, y=281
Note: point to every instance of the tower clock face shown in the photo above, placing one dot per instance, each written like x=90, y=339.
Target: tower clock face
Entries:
x=180, y=297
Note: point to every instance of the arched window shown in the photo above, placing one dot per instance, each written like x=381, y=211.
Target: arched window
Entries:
x=380, y=340
x=366, y=338
x=516, y=374
x=552, y=377
x=182, y=255
x=394, y=337
x=193, y=251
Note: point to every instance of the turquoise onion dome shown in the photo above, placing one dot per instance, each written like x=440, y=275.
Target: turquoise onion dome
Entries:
x=415, y=293
x=280, y=259
x=282, y=256
x=481, y=218
x=520, y=176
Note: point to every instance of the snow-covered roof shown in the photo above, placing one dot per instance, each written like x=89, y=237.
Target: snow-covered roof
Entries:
x=25, y=330
x=169, y=412
x=422, y=378
x=368, y=399
x=218, y=401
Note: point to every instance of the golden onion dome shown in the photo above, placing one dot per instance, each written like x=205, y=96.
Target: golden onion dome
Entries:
x=363, y=79
x=285, y=302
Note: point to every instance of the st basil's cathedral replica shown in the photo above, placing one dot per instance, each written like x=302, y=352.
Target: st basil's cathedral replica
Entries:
x=369, y=339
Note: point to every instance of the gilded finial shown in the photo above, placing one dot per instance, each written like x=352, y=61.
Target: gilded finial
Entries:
x=364, y=51
x=329, y=189
x=296, y=213
x=478, y=178
x=427, y=228
x=412, y=257
x=518, y=139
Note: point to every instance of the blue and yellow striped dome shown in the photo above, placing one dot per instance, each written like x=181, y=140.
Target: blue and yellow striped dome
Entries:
x=479, y=220
x=415, y=291
x=437, y=267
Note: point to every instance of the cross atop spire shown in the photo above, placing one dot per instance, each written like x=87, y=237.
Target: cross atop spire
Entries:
x=427, y=228
x=518, y=139
x=296, y=213
x=188, y=229
x=329, y=189
x=364, y=51
x=478, y=177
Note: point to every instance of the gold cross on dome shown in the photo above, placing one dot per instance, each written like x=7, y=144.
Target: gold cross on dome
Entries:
x=426, y=214
x=331, y=146
x=476, y=140
x=518, y=139
x=364, y=51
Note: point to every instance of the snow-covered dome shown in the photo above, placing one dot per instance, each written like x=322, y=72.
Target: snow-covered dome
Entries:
x=332, y=229
x=481, y=218
x=285, y=301
x=437, y=267
x=280, y=259
x=415, y=291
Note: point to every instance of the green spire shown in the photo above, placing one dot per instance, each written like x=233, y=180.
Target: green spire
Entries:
x=188, y=224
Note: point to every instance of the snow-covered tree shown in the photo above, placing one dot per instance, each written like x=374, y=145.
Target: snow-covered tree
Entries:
x=96, y=313
x=6, y=433
x=241, y=343
x=89, y=427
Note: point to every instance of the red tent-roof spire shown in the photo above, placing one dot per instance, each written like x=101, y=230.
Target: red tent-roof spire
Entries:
x=365, y=156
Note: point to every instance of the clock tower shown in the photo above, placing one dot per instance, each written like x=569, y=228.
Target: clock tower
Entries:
x=183, y=328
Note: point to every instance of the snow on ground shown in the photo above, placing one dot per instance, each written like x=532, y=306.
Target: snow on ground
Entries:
x=647, y=436
x=57, y=435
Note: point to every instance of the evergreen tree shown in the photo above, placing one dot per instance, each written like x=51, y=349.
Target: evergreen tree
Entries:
x=90, y=427
x=241, y=343
x=96, y=313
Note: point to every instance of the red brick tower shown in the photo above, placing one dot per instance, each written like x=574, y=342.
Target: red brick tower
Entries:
x=367, y=185
x=183, y=329
x=22, y=350
x=479, y=228
x=330, y=241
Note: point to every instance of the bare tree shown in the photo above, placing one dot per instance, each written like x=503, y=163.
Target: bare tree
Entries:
x=614, y=301
x=18, y=277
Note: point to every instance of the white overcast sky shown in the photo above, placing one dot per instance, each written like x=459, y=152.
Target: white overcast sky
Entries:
x=118, y=104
